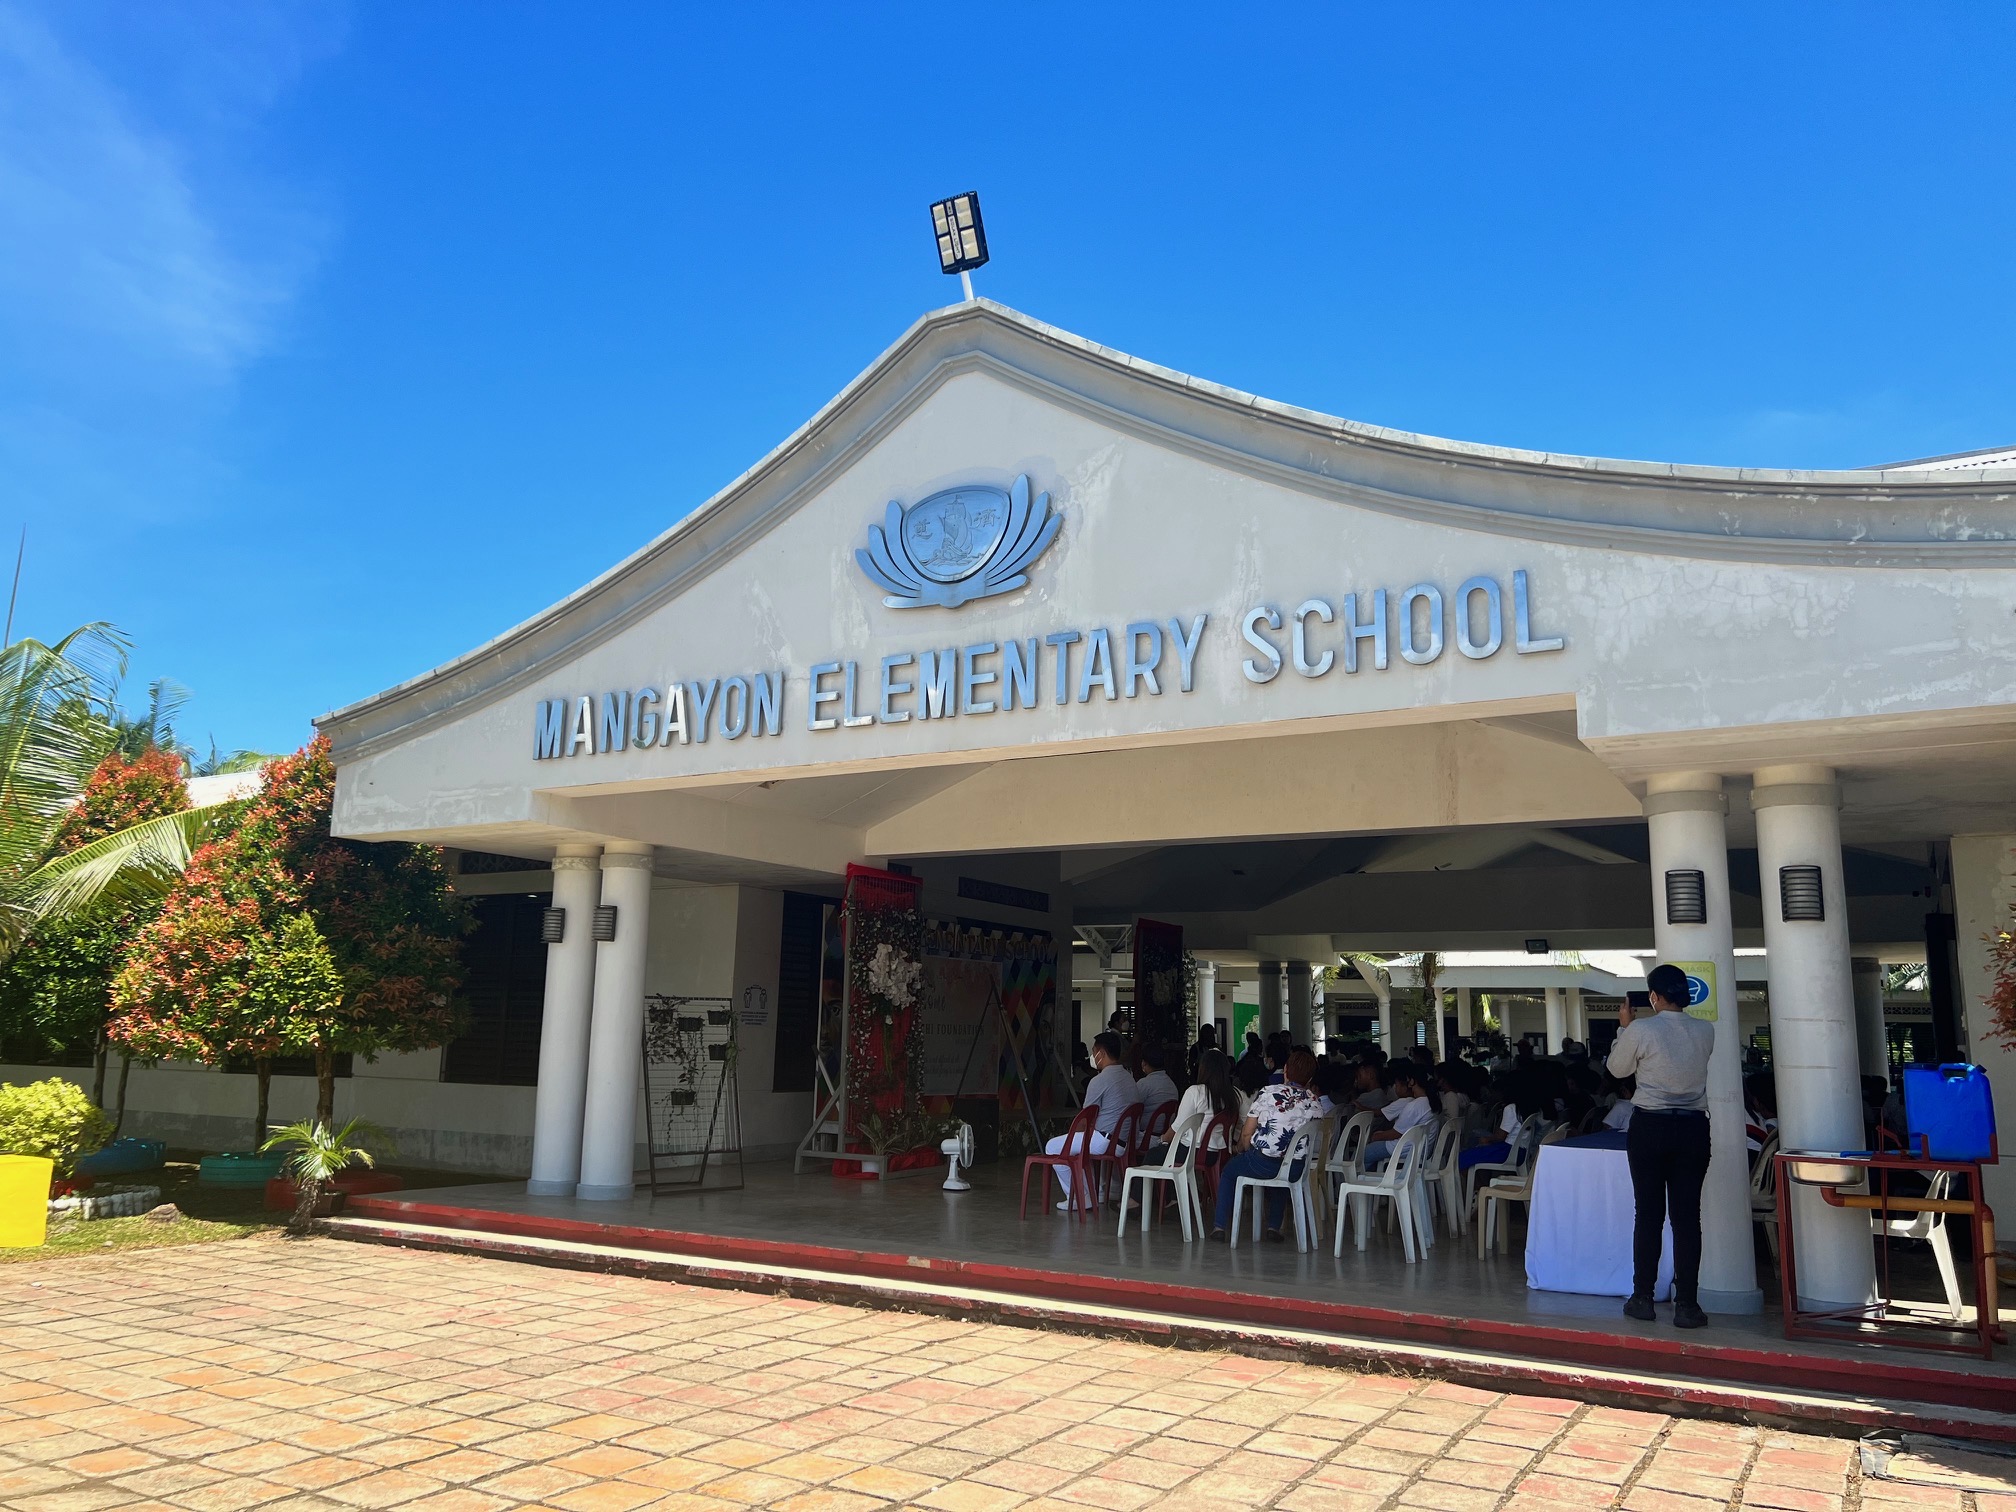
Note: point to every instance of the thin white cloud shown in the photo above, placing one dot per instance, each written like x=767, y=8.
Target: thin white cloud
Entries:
x=118, y=268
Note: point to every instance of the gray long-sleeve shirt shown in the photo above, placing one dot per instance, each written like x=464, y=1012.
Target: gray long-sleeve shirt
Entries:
x=1113, y=1091
x=1668, y=1053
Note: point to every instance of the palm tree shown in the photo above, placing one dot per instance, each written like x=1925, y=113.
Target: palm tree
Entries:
x=221, y=763
x=58, y=721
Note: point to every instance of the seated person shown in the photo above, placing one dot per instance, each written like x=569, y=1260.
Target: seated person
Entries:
x=1214, y=1094
x=1619, y=1116
x=1523, y=1101
x=1251, y=1069
x=1280, y=1045
x=1111, y=1090
x=1273, y=1119
x=1332, y=1086
x=1410, y=1108
x=1370, y=1088
x=1156, y=1085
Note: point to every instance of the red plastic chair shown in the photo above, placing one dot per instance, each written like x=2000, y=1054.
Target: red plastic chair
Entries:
x=1072, y=1156
x=1156, y=1130
x=1209, y=1161
x=1123, y=1148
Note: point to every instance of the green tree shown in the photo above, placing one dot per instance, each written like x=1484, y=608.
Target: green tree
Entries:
x=55, y=993
x=56, y=727
x=208, y=979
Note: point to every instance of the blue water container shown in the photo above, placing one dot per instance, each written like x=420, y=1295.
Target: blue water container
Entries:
x=1953, y=1109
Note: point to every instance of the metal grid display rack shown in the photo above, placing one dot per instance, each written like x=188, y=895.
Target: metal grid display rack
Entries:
x=693, y=1119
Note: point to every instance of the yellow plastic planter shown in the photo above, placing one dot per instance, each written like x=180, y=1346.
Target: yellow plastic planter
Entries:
x=24, y=1200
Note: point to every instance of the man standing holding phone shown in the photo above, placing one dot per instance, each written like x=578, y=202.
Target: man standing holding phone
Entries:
x=1667, y=1051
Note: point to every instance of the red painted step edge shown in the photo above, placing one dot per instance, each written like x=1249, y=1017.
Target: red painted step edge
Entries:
x=1955, y=1386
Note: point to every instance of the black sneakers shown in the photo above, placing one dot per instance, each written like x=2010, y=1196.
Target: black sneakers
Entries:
x=1688, y=1315
x=1639, y=1308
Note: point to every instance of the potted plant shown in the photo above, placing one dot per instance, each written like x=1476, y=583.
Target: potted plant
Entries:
x=316, y=1157
x=55, y=1120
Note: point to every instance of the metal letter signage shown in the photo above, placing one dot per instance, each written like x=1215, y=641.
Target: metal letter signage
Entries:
x=958, y=545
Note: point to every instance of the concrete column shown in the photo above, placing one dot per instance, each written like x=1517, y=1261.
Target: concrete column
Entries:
x=1685, y=816
x=1870, y=1039
x=1578, y=1018
x=1109, y=999
x=562, y=1093
x=1300, y=1023
x=1207, y=997
x=1273, y=1015
x=1319, y=1014
x=1984, y=902
x=1466, y=1022
x=1557, y=1021
x=1814, y=1048
x=616, y=1043
x=1441, y=1026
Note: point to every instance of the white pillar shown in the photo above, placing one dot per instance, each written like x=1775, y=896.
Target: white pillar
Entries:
x=1984, y=903
x=1441, y=1027
x=562, y=1092
x=1685, y=817
x=1870, y=1037
x=616, y=1042
x=1578, y=1018
x=1814, y=1052
x=1556, y=1021
x=1109, y=999
x=1466, y=1022
x=1207, y=997
x=1300, y=1026
x=1272, y=1012
x=1319, y=1016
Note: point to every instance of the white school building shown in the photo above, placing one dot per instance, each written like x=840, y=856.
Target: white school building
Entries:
x=1078, y=639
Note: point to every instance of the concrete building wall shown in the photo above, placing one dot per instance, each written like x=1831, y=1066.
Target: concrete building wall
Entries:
x=705, y=941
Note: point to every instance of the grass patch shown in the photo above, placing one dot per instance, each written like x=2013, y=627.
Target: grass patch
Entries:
x=209, y=1214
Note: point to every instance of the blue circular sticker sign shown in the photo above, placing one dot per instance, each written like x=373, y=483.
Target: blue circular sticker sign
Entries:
x=1697, y=991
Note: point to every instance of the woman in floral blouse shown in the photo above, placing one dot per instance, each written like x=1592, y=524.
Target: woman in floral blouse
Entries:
x=1277, y=1113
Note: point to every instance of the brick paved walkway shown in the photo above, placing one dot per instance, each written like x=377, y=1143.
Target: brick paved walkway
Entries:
x=336, y=1377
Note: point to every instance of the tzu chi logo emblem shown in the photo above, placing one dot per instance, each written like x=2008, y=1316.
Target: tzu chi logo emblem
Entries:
x=963, y=543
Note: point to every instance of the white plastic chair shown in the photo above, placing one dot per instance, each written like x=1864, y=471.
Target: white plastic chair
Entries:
x=1441, y=1178
x=1395, y=1180
x=1288, y=1179
x=1347, y=1155
x=1318, y=1178
x=1764, y=1191
x=1931, y=1227
x=1519, y=1150
x=1179, y=1169
x=1493, y=1198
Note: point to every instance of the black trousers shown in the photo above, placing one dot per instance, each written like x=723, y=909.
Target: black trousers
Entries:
x=1669, y=1161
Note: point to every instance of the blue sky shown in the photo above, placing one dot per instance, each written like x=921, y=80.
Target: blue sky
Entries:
x=333, y=341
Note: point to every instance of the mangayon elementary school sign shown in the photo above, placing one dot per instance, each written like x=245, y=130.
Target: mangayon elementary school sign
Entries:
x=975, y=542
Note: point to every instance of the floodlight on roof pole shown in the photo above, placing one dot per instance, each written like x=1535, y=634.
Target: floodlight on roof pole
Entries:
x=962, y=237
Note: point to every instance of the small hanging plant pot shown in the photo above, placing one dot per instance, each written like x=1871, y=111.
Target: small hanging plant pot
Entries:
x=681, y=1097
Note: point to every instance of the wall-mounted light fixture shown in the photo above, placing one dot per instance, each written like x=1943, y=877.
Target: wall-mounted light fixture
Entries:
x=552, y=925
x=1799, y=897
x=1686, y=897
x=605, y=921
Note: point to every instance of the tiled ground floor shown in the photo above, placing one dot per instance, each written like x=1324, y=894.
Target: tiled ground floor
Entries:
x=335, y=1377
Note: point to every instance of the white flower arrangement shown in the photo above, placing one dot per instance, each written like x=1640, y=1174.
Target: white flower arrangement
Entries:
x=894, y=978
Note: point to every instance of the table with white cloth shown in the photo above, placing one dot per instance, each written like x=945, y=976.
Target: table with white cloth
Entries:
x=1578, y=1227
